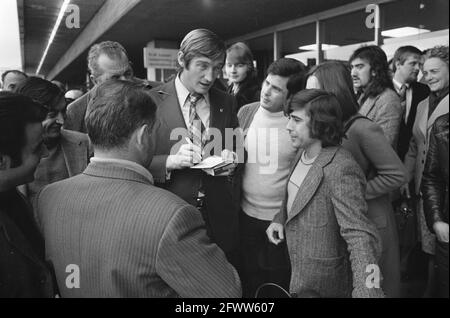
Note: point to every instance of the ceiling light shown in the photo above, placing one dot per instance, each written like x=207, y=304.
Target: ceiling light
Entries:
x=313, y=47
x=401, y=32
x=52, y=35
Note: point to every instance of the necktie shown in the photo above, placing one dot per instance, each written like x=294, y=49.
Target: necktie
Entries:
x=402, y=93
x=197, y=131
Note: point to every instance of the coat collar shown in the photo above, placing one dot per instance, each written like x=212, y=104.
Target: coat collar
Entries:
x=312, y=180
x=75, y=156
x=115, y=171
x=425, y=123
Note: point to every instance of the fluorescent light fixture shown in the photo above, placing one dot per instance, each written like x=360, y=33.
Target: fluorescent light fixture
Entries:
x=313, y=47
x=401, y=32
x=52, y=35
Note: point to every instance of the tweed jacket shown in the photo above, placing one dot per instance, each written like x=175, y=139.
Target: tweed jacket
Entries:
x=76, y=111
x=130, y=238
x=418, y=146
x=387, y=111
x=331, y=241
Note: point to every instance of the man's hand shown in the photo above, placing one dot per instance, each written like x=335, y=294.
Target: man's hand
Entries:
x=186, y=157
x=441, y=230
x=275, y=233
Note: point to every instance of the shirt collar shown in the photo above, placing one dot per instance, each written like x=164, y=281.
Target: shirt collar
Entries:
x=126, y=164
x=399, y=85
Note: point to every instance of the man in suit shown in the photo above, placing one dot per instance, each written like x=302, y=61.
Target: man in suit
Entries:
x=106, y=60
x=189, y=106
x=373, y=85
x=333, y=246
x=406, y=64
x=262, y=183
x=124, y=236
x=23, y=270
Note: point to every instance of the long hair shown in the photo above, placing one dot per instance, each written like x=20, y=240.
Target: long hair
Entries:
x=334, y=77
x=378, y=61
x=240, y=53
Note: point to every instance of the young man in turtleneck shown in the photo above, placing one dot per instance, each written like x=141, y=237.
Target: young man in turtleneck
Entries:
x=269, y=155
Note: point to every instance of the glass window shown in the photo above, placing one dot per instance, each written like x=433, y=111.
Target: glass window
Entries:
x=262, y=49
x=300, y=43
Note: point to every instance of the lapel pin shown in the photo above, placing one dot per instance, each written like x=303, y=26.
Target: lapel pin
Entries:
x=221, y=110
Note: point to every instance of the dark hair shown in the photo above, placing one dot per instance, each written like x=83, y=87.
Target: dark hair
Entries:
x=324, y=112
x=16, y=111
x=116, y=110
x=334, y=77
x=12, y=72
x=202, y=42
x=403, y=53
x=377, y=59
x=41, y=90
x=241, y=53
x=291, y=68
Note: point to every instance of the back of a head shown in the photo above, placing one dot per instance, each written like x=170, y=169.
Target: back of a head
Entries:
x=292, y=69
x=40, y=90
x=16, y=111
x=115, y=111
x=113, y=50
x=334, y=77
x=202, y=42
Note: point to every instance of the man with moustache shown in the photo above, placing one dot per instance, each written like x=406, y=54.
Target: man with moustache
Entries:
x=406, y=63
x=69, y=151
x=373, y=85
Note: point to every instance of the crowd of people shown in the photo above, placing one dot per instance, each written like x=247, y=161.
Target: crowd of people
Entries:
x=100, y=195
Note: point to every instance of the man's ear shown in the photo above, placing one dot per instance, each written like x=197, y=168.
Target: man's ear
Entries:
x=142, y=135
x=5, y=162
x=181, y=59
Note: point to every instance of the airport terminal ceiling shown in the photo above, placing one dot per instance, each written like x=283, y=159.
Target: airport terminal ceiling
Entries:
x=171, y=19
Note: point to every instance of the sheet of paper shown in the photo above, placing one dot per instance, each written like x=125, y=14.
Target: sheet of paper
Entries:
x=209, y=163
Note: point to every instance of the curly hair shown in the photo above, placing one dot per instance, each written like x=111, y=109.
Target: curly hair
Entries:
x=324, y=112
x=378, y=61
x=440, y=52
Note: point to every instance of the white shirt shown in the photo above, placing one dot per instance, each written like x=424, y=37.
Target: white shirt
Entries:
x=126, y=164
x=202, y=107
x=398, y=87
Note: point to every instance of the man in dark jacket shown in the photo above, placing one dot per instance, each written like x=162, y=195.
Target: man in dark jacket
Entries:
x=23, y=271
x=435, y=197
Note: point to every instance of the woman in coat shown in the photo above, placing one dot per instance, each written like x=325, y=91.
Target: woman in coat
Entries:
x=241, y=74
x=436, y=74
x=382, y=167
x=333, y=246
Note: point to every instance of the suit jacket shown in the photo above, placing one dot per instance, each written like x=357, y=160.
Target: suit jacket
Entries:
x=328, y=234
x=419, y=93
x=221, y=206
x=387, y=111
x=385, y=173
x=23, y=270
x=130, y=238
x=76, y=111
x=418, y=146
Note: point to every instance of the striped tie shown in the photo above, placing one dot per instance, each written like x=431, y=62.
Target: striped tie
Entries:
x=197, y=131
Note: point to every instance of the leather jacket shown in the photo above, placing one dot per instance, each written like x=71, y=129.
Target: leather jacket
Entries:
x=435, y=177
